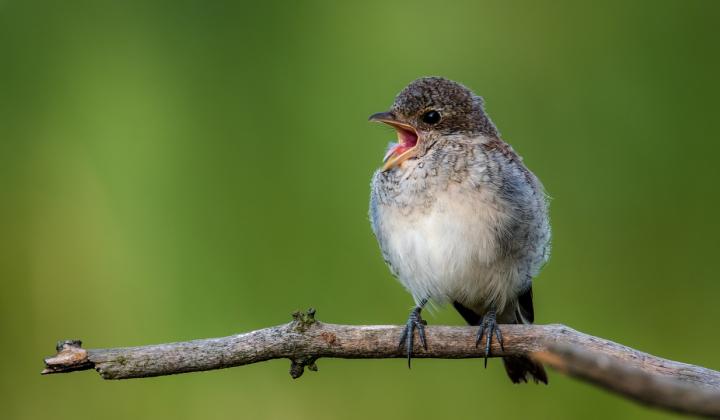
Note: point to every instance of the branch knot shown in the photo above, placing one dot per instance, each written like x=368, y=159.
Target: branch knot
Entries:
x=302, y=321
x=297, y=366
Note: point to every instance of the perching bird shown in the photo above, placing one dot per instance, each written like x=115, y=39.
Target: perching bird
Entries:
x=458, y=216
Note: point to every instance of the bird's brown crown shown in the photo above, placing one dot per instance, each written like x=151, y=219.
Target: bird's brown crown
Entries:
x=459, y=109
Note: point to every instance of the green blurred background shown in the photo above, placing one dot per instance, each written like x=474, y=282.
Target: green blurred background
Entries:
x=186, y=169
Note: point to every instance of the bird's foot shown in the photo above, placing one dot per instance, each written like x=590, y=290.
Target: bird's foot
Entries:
x=489, y=327
x=414, y=322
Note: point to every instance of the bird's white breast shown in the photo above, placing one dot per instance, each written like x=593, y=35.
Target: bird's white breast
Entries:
x=449, y=250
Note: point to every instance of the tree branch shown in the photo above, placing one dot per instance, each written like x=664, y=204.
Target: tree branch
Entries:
x=640, y=376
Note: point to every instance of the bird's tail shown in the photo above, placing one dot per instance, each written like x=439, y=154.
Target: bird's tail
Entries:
x=518, y=368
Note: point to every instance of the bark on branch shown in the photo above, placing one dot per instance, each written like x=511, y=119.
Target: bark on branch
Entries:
x=640, y=376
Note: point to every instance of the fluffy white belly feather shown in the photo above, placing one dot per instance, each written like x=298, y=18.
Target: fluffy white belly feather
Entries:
x=451, y=251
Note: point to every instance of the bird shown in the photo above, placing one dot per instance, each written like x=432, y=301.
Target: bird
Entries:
x=458, y=216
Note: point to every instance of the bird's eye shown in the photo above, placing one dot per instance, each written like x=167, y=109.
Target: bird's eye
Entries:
x=431, y=117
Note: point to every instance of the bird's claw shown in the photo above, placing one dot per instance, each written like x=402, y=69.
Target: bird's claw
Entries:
x=414, y=322
x=489, y=327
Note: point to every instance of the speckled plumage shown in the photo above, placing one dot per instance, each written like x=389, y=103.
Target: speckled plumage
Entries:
x=463, y=221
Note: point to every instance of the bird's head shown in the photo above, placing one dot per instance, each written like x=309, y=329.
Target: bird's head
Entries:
x=430, y=108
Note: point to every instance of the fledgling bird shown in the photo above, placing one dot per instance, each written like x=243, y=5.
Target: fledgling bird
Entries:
x=458, y=216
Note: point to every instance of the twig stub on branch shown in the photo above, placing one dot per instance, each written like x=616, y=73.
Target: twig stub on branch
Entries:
x=70, y=357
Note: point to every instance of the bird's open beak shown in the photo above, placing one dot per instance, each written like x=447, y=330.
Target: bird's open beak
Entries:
x=407, y=140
